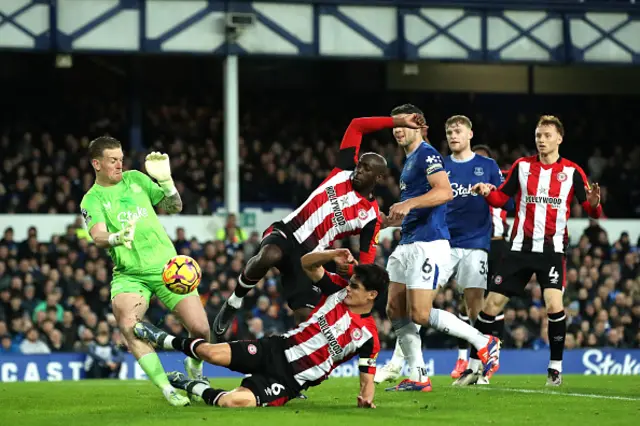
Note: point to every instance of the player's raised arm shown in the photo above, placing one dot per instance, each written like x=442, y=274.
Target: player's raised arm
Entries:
x=587, y=195
x=312, y=264
x=159, y=168
x=350, y=145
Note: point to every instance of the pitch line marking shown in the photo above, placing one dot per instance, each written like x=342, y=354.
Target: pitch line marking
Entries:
x=577, y=395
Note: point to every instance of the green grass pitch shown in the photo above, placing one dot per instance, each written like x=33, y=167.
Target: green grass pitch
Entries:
x=509, y=400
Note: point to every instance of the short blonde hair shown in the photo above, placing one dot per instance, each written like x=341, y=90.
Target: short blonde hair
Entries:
x=551, y=120
x=458, y=119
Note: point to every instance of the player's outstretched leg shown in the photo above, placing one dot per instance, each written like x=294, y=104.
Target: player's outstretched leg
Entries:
x=127, y=307
x=257, y=267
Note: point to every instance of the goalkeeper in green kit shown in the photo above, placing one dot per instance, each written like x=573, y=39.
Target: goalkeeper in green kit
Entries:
x=119, y=213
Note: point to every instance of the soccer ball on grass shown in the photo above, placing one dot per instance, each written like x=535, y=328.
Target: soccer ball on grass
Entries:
x=181, y=274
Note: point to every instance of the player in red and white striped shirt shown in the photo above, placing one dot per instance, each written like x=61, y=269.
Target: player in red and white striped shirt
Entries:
x=341, y=206
x=543, y=187
x=339, y=328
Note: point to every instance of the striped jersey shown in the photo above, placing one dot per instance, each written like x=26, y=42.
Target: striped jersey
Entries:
x=331, y=336
x=543, y=195
x=335, y=210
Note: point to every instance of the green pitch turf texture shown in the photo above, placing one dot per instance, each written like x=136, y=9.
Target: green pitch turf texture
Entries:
x=509, y=400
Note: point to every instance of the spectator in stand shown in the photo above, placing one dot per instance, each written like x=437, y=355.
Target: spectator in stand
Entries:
x=32, y=345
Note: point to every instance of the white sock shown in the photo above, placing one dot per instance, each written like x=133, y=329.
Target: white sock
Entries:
x=235, y=301
x=411, y=347
x=199, y=388
x=448, y=323
x=462, y=354
x=397, y=359
x=556, y=365
x=475, y=365
x=167, y=342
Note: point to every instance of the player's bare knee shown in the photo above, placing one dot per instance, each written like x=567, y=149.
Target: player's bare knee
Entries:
x=495, y=303
x=421, y=316
x=268, y=256
x=553, y=300
x=200, y=330
x=126, y=328
x=393, y=309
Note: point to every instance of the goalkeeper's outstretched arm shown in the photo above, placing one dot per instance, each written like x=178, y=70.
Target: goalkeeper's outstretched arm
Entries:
x=171, y=204
x=159, y=168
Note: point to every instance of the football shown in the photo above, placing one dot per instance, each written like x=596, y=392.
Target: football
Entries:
x=181, y=274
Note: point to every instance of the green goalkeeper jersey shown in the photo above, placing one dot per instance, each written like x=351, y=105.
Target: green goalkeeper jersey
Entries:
x=132, y=198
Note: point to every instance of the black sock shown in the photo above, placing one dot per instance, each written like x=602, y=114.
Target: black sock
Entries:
x=484, y=324
x=187, y=345
x=498, y=326
x=463, y=343
x=557, y=332
x=244, y=285
x=211, y=396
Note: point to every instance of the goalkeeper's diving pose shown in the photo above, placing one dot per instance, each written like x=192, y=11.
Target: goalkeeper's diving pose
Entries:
x=119, y=213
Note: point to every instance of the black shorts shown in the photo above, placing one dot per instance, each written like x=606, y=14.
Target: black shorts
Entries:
x=271, y=379
x=516, y=268
x=298, y=289
x=499, y=248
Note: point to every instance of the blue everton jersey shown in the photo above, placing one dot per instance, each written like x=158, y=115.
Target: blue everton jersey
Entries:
x=427, y=224
x=468, y=216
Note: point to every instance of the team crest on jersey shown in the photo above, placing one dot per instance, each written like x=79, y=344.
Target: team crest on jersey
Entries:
x=135, y=188
x=362, y=214
x=498, y=279
x=562, y=176
x=478, y=171
x=356, y=334
x=252, y=349
x=86, y=216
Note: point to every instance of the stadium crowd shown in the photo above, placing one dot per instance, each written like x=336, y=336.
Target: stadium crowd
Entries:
x=48, y=172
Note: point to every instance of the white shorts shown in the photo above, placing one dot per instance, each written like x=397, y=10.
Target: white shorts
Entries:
x=470, y=267
x=419, y=265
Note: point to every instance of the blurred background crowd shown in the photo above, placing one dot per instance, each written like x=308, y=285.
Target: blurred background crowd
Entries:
x=54, y=295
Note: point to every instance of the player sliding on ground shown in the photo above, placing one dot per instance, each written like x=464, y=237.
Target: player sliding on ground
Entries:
x=340, y=327
x=341, y=206
x=118, y=211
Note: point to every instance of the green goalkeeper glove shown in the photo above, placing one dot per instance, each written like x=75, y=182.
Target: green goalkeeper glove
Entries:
x=124, y=237
x=158, y=167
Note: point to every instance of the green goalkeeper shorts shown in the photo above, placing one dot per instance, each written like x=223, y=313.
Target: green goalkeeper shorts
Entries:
x=147, y=285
